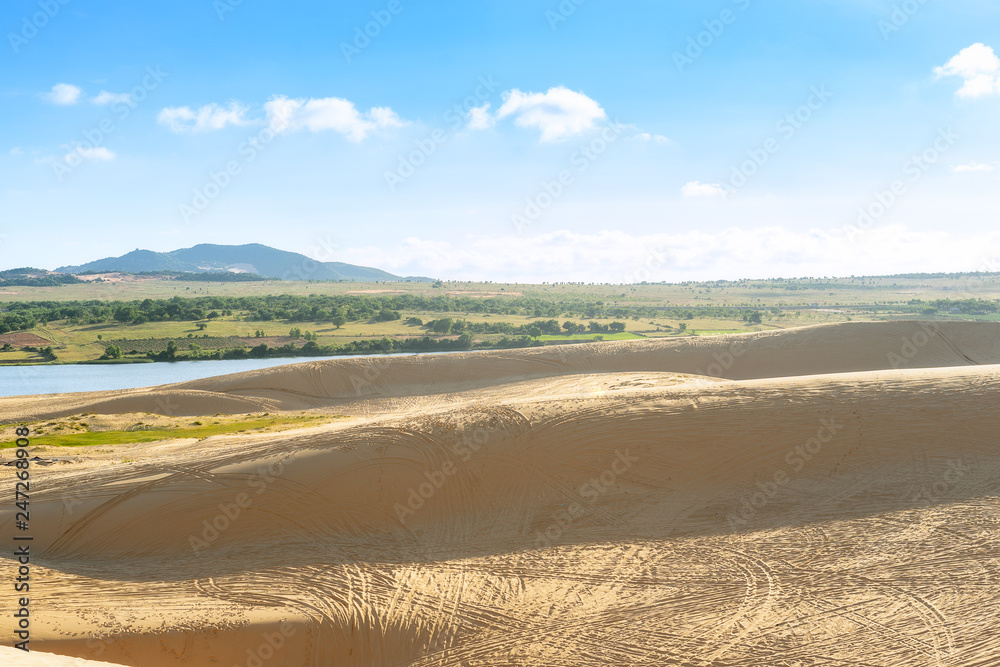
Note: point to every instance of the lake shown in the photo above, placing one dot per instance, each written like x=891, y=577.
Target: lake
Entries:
x=27, y=380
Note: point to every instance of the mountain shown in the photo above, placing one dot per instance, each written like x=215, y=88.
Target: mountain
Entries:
x=250, y=258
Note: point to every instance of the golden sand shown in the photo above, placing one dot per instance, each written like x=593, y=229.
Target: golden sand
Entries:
x=825, y=495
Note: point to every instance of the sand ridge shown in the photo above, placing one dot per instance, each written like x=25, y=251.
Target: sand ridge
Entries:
x=828, y=348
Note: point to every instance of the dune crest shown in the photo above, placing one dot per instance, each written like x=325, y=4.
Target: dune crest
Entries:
x=821, y=349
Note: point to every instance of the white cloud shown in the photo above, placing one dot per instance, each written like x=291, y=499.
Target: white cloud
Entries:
x=63, y=94
x=972, y=167
x=978, y=66
x=480, y=118
x=653, y=138
x=16, y=150
x=385, y=118
x=727, y=254
x=696, y=189
x=329, y=113
x=99, y=154
x=558, y=113
x=78, y=154
x=104, y=97
x=208, y=117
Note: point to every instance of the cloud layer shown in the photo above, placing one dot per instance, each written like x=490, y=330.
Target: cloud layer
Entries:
x=285, y=114
x=480, y=118
x=618, y=257
x=63, y=94
x=973, y=167
x=98, y=153
x=979, y=68
x=104, y=97
x=559, y=113
x=695, y=189
x=653, y=138
x=208, y=117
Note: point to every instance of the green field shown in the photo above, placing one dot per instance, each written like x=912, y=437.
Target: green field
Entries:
x=647, y=310
x=79, y=343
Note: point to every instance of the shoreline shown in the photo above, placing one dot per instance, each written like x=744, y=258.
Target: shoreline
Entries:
x=365, y=353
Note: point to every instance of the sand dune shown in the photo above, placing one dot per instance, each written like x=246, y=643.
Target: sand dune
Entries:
x=831, y=348
x=589, y=505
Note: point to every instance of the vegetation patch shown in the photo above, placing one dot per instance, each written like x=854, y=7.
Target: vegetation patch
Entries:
x=171, y=320
x=139, y=433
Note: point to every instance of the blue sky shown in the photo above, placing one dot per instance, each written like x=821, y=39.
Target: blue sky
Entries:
x=512, y=141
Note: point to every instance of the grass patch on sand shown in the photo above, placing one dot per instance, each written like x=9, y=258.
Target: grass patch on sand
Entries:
x=206, y=428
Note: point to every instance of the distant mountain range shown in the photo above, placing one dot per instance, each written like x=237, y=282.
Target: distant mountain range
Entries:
x=251, y=258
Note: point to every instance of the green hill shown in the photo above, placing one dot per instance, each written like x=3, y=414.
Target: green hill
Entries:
x=250, y=258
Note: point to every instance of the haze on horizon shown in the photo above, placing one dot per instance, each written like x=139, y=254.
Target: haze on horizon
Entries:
x=509, y=141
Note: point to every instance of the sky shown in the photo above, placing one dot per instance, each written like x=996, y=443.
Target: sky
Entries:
x=508, y=140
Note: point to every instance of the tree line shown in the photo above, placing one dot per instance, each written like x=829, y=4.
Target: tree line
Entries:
x=340, y=309
x=20, y=315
